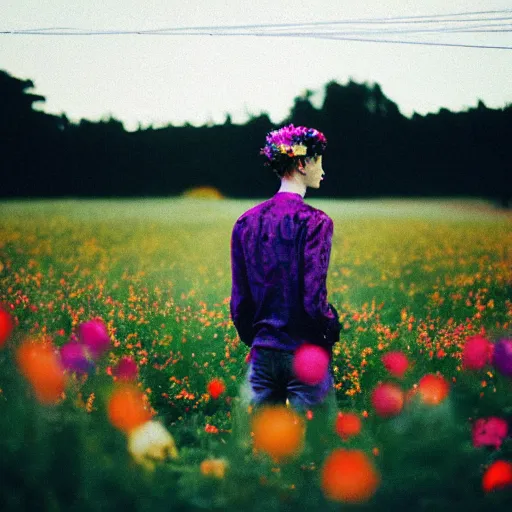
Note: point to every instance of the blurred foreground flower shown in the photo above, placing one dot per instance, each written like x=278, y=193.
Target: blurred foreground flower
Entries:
x=489, y=432
x=433, y=389
x=6, y=326
x=387, y=399
x=349, y=476
x=74, y=357
x=94, y=335
x=502, y=357
x=278, y=431
x=41, y=366
x=149, y=442
x=214, y=467
x=126, y=369
x=396, y=363
x=310, y=363
x=126, y=408
x=347, y=425
x=477, y=353
x=497, y=476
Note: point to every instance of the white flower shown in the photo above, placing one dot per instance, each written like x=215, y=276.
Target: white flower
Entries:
x=149, y=442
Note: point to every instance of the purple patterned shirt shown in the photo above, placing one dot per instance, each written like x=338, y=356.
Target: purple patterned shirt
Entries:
x=280, y=252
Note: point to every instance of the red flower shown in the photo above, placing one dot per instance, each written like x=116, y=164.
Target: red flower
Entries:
x=6, y=325
x=211, y=429
x=396, y=363
x=497, y=476
x=489, y=432
x=216, y=387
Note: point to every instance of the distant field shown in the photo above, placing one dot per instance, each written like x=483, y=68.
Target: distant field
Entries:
x=418, y=276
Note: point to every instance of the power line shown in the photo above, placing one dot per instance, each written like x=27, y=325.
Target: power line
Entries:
x=453, y=23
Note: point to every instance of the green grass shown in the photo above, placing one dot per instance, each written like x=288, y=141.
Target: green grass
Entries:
x=417, y=276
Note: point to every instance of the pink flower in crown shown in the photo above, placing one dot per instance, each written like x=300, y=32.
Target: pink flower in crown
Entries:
x=94, y=335
x=489, y=432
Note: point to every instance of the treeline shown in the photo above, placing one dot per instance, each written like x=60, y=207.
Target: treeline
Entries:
x=373, y=150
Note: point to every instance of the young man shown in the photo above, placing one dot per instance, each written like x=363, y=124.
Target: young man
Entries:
x=280, y=252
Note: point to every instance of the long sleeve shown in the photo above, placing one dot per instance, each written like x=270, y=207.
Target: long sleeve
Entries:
x=241, y=304
x=322, y=321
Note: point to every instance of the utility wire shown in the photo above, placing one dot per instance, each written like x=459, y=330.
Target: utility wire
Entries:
x=453, y=23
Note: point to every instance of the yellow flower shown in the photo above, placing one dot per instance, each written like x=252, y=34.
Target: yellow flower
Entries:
x=299, y=150
x=296, y=150
x=149, y=442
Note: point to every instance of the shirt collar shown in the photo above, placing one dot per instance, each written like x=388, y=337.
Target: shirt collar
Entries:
x=289, y=195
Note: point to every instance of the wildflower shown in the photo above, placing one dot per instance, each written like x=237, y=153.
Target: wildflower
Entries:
x=502, y=357
x=347, y=425
x=497, y=476
x=211, y=429
x=476, y=353
x=433, y=389
x=94, y=335
x=214, y=467
x=42, y=367
x=396, y=363
x=489, y=432
x=349, y=476
x=310, y=363
x=126, y=409
x=149, y=442
x=6, y=326
x=216, y=387
x=387, y=399
x=74, y=357
x=126, y=369
x=278, y=431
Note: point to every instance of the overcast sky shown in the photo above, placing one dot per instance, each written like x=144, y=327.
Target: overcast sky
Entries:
x=161, y=79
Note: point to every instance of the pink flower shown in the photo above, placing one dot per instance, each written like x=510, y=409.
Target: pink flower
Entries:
x=477, y=353
x=94, y=335
x=74, y=357
x=396, y=363
x=489, y=432
x=126, y=369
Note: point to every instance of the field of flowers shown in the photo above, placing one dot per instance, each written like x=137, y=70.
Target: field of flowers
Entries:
x=132, y=299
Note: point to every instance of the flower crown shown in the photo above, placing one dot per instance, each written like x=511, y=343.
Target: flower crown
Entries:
x=293, y=141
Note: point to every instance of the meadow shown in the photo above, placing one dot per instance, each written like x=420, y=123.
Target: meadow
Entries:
x=415, y=276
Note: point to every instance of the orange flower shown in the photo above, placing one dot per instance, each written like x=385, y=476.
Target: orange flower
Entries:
x=41, y=366
x=347, y=425
x=126, y=409
x=214, y=467
x=349, y=476
x=433, y=389
x=278, y=431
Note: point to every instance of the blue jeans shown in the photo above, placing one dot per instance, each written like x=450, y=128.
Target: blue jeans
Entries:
x=271, y=380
